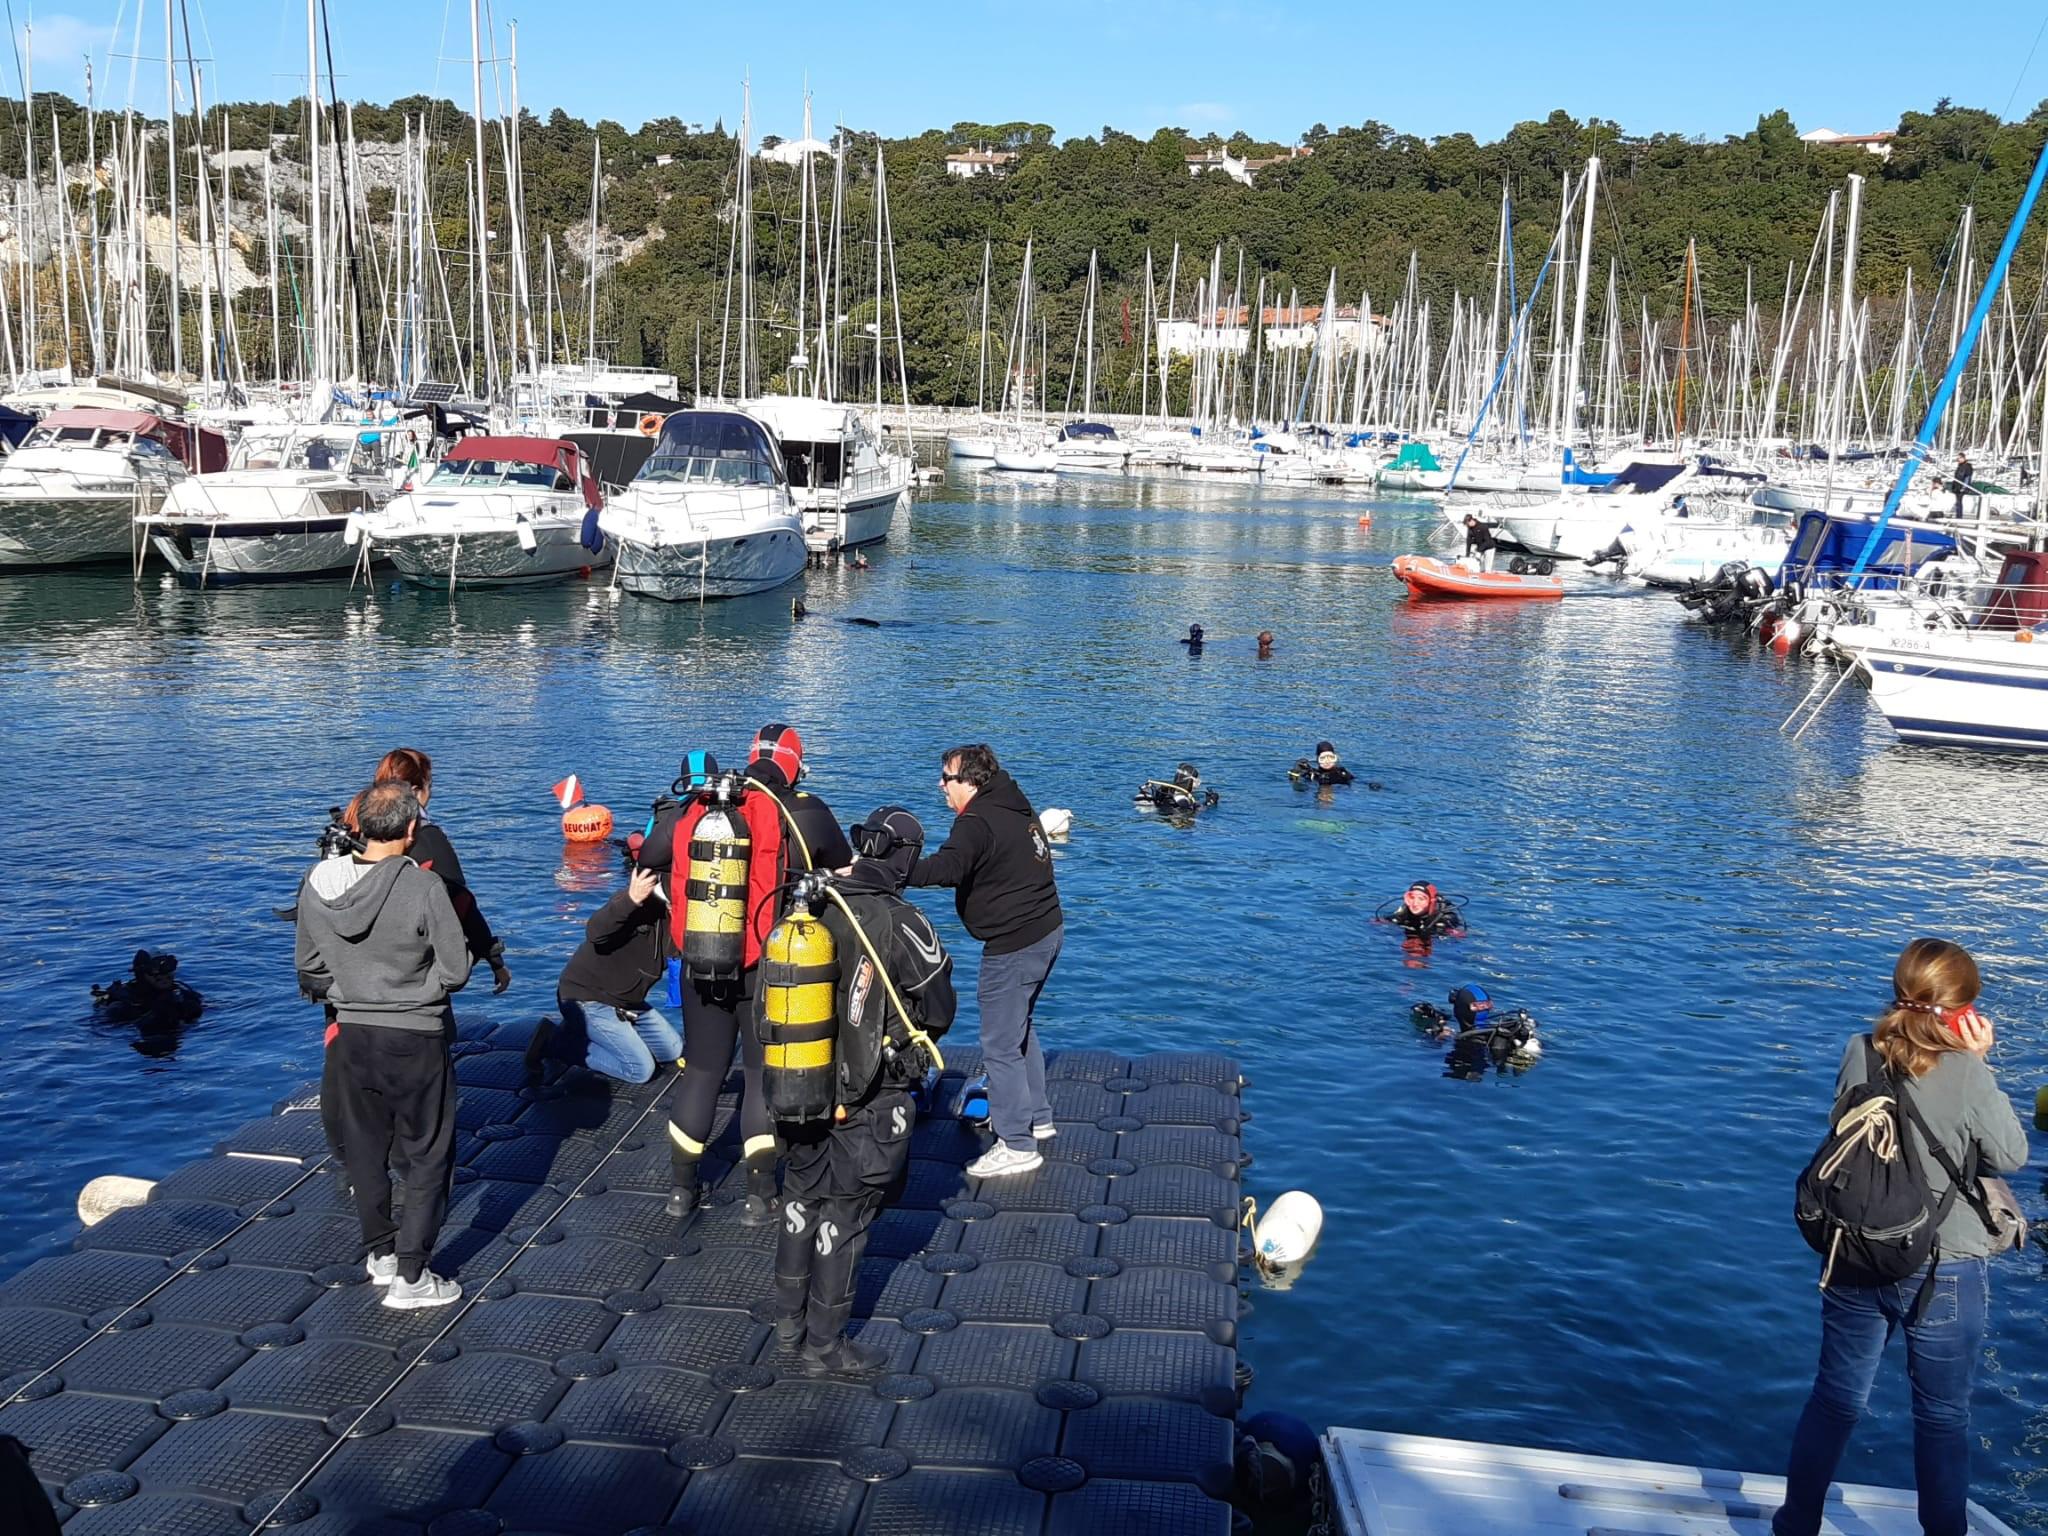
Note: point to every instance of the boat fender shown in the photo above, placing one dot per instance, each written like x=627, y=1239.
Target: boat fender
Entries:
x=108, y=1193
x=352, y=530
x=527, y=541
x=587, y=824
x=1290, y=1229
x=1056, y=822
x=1276, y=1454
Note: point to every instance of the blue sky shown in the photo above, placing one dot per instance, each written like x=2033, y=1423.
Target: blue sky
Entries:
x=1223, y=65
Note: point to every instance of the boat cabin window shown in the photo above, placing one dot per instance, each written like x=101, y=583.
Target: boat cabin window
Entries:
x=713, y=448
x=1076, y=431
x=474, y=473
x=819, y=464
x=50, y=437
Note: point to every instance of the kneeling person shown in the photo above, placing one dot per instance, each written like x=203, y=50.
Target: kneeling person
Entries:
x=847, y=1128
x=609, y=1022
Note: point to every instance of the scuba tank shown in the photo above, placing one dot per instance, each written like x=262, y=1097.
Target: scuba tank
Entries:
x=715, y=916
x=799, y=1014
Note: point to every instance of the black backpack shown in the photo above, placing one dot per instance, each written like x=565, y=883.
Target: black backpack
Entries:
x=1864, y=1203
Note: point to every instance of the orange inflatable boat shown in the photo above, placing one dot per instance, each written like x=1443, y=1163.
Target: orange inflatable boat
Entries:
x=1430, y=578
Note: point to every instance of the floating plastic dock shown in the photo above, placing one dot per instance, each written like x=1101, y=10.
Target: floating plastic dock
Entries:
x=1062, y=1346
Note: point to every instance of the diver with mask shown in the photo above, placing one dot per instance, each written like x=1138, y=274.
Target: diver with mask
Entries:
x=1324, y=768
x=843, y=1088
x=1425, y=913
x=1180, y=796
x=1479, y=1038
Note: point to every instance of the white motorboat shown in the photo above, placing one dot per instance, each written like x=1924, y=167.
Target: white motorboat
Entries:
x=710, y=514
x=976, y=440
x=1585, y=524
x=846, y=486
x=495, y=511
x=1090, y=446
x=70, y=494
x=1696, y=543
x=1210, y=454
x=281, y=508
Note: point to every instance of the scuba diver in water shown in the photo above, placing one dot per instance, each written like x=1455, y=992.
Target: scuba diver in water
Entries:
x=843, y=1086
x=1182, y=796
x=1193, y=640
x=1478, y=1037
x=1324, y=768
x=1425, y=913
x=152, y=999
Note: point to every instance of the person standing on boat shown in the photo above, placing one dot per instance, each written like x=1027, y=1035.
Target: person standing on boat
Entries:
x=1479, y=540
x=1960, y=484
x=1934, y=1044
x=381, y=940
x=999, y=866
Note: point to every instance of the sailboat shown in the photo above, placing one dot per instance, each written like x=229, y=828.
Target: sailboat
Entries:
x=976, y=439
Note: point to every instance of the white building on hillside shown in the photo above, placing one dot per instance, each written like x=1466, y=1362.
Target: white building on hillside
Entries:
x=1879, y=143
x=980, y=162
x=1286, y=327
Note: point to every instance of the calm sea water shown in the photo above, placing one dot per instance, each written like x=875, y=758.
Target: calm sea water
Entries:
x=1596, y=1255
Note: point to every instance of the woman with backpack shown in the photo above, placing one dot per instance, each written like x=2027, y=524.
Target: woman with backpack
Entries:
x=1919, y=1112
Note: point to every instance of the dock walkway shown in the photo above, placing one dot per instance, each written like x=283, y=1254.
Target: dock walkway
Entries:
x=1062, y=1346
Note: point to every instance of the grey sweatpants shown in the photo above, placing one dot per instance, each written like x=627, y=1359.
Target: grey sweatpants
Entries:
x=1008, y=992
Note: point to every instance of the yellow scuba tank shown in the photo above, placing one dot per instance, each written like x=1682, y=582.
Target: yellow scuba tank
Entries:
x=715, y=911
x=799, y=1017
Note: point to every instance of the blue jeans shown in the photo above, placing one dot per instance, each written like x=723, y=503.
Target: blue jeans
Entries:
x=1942, y=1347
x=621, y=1045
x=1008, y=991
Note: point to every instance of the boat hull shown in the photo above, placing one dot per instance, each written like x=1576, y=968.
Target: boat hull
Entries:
x=863, y=518
x=712, y=568
x=202, y=555
x=494, y=557
x=69, y=530
x=1432, y=580
x=1987, y=690
x=971, y=446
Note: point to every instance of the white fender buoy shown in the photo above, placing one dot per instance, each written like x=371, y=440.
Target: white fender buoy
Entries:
x=108, y=1193
x=352, y=530
x=1289, y=1229
x=1057, y=823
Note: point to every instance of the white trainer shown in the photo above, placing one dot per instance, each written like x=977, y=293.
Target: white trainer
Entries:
x=430, y=1290
x=1044, y=1132
x=382, y=1268
x=1001, y=1160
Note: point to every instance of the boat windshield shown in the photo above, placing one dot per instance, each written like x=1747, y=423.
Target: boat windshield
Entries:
x=713, y=448
x=472, y=474
x=338, y=454
x=50, y=437
x=1075, y=431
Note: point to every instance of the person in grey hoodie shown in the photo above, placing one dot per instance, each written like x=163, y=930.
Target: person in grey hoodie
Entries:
x=1933, y=1045
x=382, y=935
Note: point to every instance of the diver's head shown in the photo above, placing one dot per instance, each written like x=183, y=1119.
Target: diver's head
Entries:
x=890, y=841
x=1420, y=898
x=1471, y=1005
x=1187, y=776
x=699, y=769
x=777, y=746
x=1195, y=633
x=1326, y=755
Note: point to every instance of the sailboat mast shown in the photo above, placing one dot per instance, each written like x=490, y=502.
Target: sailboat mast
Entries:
x=1684, y=342
x=1571, y=392
x=481, y=233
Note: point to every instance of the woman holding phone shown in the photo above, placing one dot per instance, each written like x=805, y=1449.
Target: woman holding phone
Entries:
x=1933, y=1044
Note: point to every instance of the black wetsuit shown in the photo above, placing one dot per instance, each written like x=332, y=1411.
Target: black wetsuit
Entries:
x=1175, y=799
x=841, y=1173
x=1307, y=772
x=1439, y=920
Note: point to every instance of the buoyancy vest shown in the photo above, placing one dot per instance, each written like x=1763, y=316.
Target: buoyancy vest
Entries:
x=764, y=870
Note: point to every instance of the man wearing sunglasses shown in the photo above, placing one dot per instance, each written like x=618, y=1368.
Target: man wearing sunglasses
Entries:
x=999, y=866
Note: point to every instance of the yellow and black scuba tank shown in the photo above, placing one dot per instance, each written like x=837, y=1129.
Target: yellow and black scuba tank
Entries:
x=798, y=1006
x=715, y=911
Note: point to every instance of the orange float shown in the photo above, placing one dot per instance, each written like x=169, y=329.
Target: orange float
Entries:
x=587, y=824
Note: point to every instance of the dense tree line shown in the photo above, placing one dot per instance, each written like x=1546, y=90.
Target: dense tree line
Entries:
x=1365, y=199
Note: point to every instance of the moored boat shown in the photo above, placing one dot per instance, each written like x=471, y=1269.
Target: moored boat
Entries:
x=709, y=515
x=70, y=494
x=496, y=511
x=844, y=484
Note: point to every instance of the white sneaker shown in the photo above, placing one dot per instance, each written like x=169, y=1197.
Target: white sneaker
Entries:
x=382, y=1268
x=1044, y=1132
x=430, y=1290
x=1002, y=1160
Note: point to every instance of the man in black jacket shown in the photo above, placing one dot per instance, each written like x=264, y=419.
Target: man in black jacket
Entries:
x=841, y=1171
x=1479, y=540
x=1000, y=867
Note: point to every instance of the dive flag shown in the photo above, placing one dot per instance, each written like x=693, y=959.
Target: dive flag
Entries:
x=569, y=791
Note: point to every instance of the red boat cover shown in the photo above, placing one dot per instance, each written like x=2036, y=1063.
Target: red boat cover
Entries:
x=550, y=451
x=182, y=440
x=2021, y=600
